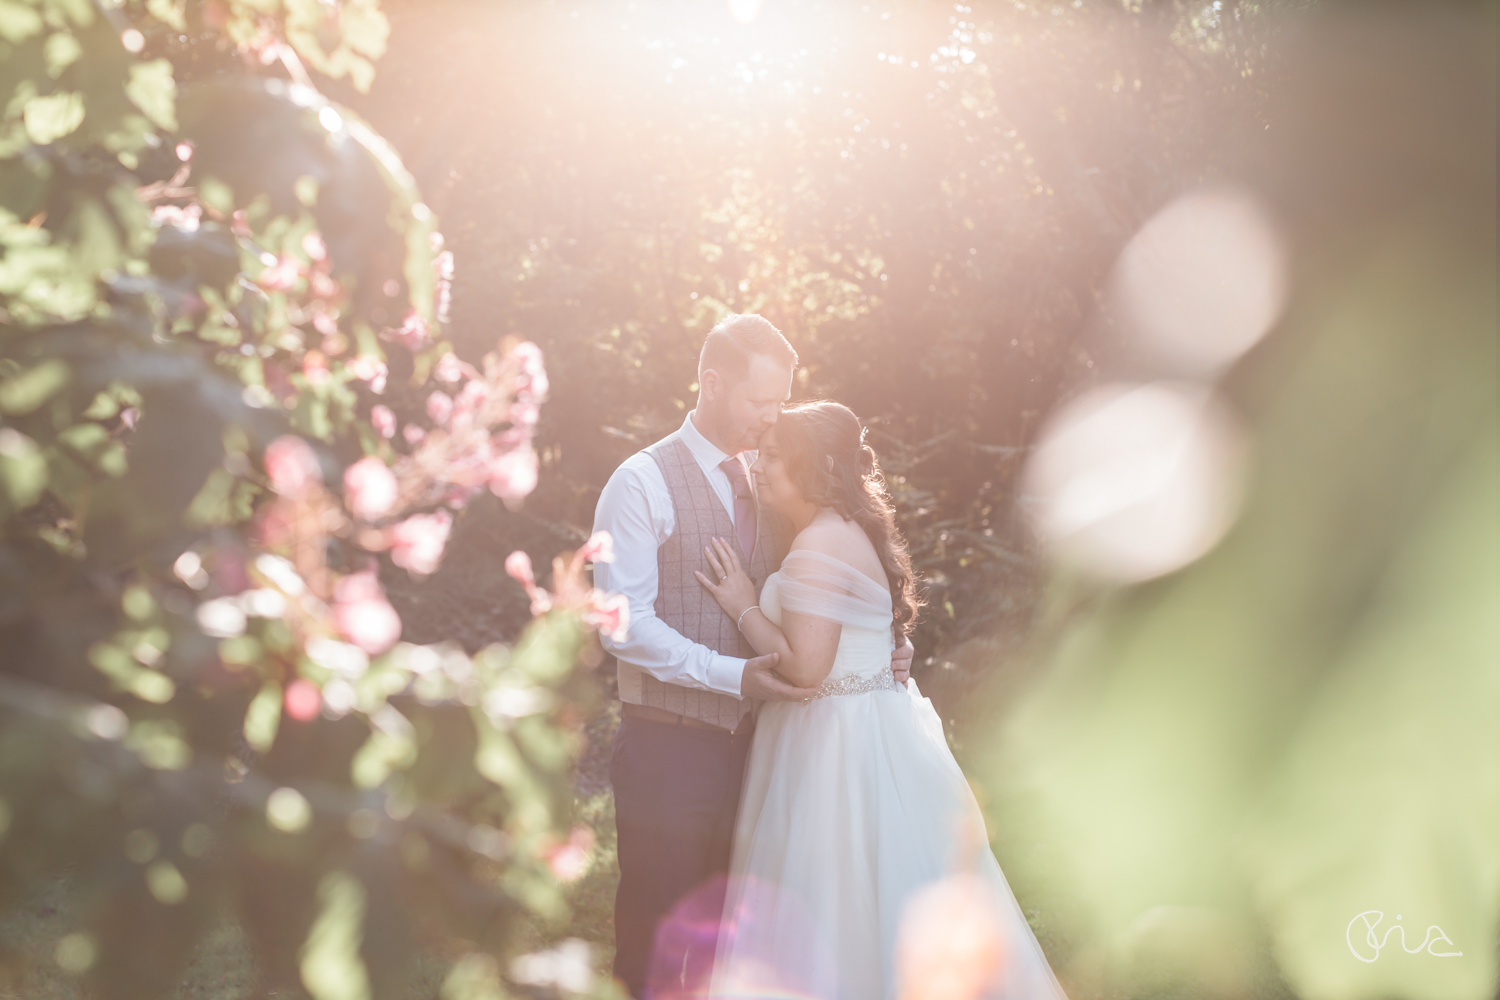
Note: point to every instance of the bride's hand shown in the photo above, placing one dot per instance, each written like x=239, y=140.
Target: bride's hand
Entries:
x=733, y=589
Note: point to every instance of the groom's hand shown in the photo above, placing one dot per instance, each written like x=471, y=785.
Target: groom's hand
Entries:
x=761, y=682
x=901, y=661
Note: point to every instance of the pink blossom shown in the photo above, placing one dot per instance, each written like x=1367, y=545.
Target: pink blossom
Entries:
x=448, y=368
x=413, y=434
x=280, y=276
x=609, y=613
x=315, y=368
x=458, y=497
x=184, y=151
x=513, y=474
x=369, y=488
x=368, y=368
x=186, y=219
x=528, y=358
x=570, y=860
x=443, y=292
x=413, y=333
x=417, y=543
x=439, y=408
x=599, y=548
x=325, y=324
x=518, y=565
x=322, y=285
x=314, y=247
x=363, y=615
x=525, y=414
x=291, y=466
x=383, y=420
x=302, y=700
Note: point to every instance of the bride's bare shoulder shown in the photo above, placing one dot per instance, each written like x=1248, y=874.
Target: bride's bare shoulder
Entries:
x=843, y=540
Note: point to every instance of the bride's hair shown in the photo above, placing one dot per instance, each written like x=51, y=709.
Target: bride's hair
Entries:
x=823, y=448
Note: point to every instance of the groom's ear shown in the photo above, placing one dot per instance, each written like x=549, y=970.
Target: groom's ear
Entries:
x=710, y=383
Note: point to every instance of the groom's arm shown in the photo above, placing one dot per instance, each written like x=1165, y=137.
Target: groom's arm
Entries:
x=636, y=509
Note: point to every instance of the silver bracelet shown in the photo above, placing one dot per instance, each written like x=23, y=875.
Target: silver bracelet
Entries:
x=753, y=607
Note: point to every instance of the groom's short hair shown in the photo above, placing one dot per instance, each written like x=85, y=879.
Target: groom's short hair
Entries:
x=734, y=339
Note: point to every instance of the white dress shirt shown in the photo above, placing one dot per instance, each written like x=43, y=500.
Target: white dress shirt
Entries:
x=636, y=509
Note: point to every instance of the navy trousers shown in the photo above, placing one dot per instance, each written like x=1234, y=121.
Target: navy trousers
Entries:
x=677, y=791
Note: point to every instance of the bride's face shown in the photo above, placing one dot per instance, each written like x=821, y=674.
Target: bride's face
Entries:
x=775, y=486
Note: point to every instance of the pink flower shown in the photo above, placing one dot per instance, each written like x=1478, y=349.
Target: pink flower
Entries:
x=458, y=497
x=314, y=247
x=417, y=543
x=439, y=408
x=599, y=548
x=325, y=324
x=369, y=488
x=448, y=368
x=302, y=700
x=570, y=860
x=413, y=333
x=471, y=397
x=513, y=474
x=280, y=276
x=528, y=358
x=443, y=292
x=524, y=414
x=368, y=368
x=383, y=420
x=518, y=565
x=291, y=466
x=184, y=151
x=363, y=615
x=413, y=434
x=609, y=613
x=315, y=368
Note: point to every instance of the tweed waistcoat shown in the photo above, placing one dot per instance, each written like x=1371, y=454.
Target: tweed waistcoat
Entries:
x=682, y=602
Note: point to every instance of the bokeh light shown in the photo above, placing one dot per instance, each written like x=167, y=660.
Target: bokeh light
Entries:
x=1201, y=282
x=1130, y=482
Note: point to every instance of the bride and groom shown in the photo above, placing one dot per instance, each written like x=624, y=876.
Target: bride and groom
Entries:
x=768, y=732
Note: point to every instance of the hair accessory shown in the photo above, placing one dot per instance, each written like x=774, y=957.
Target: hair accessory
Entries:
x=862, y=432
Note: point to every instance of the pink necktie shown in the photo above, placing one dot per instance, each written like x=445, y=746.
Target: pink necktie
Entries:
x=744, y=504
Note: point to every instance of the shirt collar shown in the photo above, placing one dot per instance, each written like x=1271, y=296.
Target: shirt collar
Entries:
x=704, y=450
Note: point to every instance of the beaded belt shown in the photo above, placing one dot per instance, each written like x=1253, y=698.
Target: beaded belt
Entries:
x=856, y=684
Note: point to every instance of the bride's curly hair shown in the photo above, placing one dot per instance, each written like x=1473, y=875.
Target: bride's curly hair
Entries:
x=823, y=447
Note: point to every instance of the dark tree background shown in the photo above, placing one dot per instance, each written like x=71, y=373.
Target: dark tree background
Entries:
x=925, y=198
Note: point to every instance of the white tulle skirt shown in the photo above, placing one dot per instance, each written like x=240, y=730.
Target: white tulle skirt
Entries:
x=853, y=805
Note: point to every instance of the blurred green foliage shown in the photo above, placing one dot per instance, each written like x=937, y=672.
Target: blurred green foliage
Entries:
x=196, y=256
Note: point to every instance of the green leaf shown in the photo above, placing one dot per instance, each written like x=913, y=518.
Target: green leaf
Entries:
x=23, y=469
x=263, y=717
x=27, y=391
x=153, y=90
x=53, y=116
x=330, y=964
x=475, y=976
x=18, y=21
x=62, y=51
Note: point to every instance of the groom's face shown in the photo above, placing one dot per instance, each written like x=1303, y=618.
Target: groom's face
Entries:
x=751, y=405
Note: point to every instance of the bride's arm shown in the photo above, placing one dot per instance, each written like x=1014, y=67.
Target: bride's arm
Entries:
x=806, y=644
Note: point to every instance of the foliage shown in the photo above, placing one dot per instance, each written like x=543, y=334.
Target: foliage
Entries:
x=224, y=390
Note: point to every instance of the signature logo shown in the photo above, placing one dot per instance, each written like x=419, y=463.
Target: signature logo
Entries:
x=1372, y=945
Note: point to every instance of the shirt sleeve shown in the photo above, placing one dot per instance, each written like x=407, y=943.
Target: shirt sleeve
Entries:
x=636, y=509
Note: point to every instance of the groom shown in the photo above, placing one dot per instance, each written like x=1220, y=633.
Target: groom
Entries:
x=688, y=679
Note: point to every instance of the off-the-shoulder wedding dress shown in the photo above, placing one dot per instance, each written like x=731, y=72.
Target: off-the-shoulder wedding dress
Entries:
x=852, y=804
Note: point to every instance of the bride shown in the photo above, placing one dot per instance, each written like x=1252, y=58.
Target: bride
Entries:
x=853, y=803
